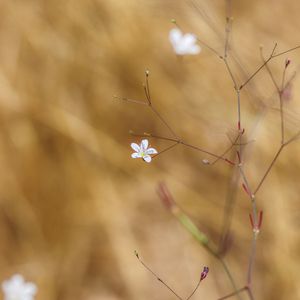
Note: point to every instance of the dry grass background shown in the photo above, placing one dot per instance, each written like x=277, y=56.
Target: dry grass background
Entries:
x=74, y=206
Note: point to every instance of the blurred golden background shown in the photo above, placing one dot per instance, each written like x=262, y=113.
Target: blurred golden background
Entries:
x=74, y=206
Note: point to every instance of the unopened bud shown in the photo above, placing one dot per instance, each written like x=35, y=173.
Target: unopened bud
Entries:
x=204, y=273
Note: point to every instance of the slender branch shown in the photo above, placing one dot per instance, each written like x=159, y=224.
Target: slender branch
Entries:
x=279, y=92
x=233, y=294
x=251, y=259
x=250, y=294
x=269, y=71
x=252, y=76
x=158, y=278
x=147, y=89
x=209, y=47
x=269, y=169
x=163, y=121
x=207, y=152
x=195, y=289
x=165, y=150
x=228, y=210
x=228, y=26
x=297, y=135
x=225, y=267
x=233, y=143
x=230, y=73
x=286, y=51
x=206, y=17
x=146, y=134
x=179, y=141
x=131, y=100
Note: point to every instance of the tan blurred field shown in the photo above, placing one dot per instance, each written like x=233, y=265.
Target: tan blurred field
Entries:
x=74, y=206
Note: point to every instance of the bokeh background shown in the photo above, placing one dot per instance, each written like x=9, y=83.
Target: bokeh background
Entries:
x=74, y=206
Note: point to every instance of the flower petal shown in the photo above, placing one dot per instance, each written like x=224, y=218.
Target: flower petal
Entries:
x=135, y=147
x=147, y=158
x=136, y=155
x=30, y=288
x=151, y=151
x=195, y=50
x=175, y=36
x=188, y=40
x=144, y=144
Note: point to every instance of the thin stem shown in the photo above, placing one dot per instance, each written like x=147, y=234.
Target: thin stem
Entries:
x=163, y=121
x=209, y=47
x=232, y=294
x=253, y=74
x=145, y=134
x=250, y=294
x=147, y=87
x=228, y=26
x=279, y=92
x=206, y=17
x=165, y=150
x=228, y=211
x=225, y=267
x=227, y=150
x=194, y=291
x=269, y=169
x=207, y=152
x=189, y=225
x=283, y=78
x=239, y=110
x=251, y=259
x=158, y=278
x=230, y=73
x=131, y=100
x=284, y=52
x=292, y=138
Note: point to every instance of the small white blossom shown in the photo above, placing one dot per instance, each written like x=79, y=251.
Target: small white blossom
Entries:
x=184, y=44
x=142, y=151
x=16, y=288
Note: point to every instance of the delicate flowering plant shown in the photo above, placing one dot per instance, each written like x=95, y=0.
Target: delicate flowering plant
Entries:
x=184, y=44
x=142, y=151
x=16, y=288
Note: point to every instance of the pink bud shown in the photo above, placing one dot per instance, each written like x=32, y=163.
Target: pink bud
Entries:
x=204, y=273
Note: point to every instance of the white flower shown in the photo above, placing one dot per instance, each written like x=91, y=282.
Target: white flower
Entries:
x=17, y=289
x=142, y=151
x=184, y=44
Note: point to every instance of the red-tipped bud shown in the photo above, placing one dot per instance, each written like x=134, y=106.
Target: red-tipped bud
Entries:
x=246, y=189
x=251, y=221
x=165, y=196
x=256, y=226
x=204, y=273
x=239, y=156
x=229, y=161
